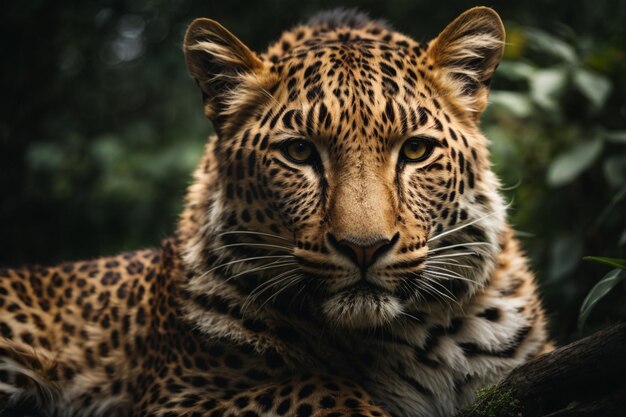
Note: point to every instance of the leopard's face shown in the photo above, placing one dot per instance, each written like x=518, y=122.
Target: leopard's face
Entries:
x=352, y=177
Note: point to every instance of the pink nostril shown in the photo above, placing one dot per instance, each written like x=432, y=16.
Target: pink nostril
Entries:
x=362, y=255
x=365, y=254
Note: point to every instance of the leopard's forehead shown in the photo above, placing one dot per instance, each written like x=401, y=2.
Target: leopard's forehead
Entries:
x=347, y=61
x=369, y=82
x=303, y=39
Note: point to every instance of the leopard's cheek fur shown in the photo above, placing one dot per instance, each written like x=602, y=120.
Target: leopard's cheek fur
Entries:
x=246, y=170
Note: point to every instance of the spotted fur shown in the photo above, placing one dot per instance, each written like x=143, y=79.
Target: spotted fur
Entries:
x=360, y=282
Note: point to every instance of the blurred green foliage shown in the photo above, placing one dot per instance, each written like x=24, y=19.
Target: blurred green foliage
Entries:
x=101, y=127
x=556, y=122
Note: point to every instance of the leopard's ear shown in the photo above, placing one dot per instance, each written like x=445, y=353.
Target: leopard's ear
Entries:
x=220, y=64
x=467, y=53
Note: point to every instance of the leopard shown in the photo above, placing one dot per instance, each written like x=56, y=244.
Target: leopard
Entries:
x=343, y=249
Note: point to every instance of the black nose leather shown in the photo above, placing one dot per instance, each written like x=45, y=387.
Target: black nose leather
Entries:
x=362, y=255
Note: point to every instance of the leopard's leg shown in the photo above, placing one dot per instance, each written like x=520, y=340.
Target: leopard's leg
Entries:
x=301, y=396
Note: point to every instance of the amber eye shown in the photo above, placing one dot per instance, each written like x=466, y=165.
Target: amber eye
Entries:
x=298, y=151
x=416, y=150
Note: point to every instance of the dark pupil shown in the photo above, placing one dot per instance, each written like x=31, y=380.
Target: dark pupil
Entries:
x=414, y=146
x=300, y=148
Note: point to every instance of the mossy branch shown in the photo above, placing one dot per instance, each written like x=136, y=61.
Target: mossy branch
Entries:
x=584, y=378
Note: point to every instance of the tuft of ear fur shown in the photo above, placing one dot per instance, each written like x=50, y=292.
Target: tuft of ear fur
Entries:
x=221, y=65
x=467, y=52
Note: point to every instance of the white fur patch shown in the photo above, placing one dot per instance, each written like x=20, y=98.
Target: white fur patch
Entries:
x=361, y=309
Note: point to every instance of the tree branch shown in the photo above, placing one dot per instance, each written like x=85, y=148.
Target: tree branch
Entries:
x=584, y=378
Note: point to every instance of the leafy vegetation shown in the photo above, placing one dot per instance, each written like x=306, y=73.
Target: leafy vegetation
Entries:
x=101, y=127
x=603, y=287
x=558, y=137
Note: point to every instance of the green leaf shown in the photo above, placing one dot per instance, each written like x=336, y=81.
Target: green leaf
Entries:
x=617, y=197
x=516, y=70
x=614, y=169
x=569, y=165
x=546, y=86
x=517, y=104
x=599, y=290
x=593, y=86
x=622, y=239
x=545, y=42
x=616, y=136
x=614, y=262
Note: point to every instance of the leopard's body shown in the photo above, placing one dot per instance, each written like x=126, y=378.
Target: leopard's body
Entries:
x=351, y=282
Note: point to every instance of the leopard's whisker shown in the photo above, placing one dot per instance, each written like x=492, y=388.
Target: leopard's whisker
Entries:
x=262, y=245
x=295, y=297
x=293, y=280
x=254, y=258
x=450, y=297
x=434, y=291
x=442, y=268
x=453, y=255
x=275, y=264
x=439, y=249
x=404, y=313
x=450, y=277
x=263, y=287
x=455, y=264
x=250, y=232
x=463, y=226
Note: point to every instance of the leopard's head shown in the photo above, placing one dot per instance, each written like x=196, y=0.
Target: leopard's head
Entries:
x=348, y=173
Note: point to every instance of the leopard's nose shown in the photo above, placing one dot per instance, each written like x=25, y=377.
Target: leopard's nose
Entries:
x=363, y=255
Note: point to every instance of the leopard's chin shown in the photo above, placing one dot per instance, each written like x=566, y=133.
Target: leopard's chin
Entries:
x=361, y=308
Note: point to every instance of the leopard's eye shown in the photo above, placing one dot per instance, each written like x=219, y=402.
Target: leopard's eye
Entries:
x=416, y=150
x=299, y=151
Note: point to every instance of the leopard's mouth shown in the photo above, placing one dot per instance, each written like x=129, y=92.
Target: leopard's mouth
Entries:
x=365, y=287
x=362, y=305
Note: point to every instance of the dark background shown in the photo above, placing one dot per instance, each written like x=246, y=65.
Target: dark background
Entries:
x=100, y=127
